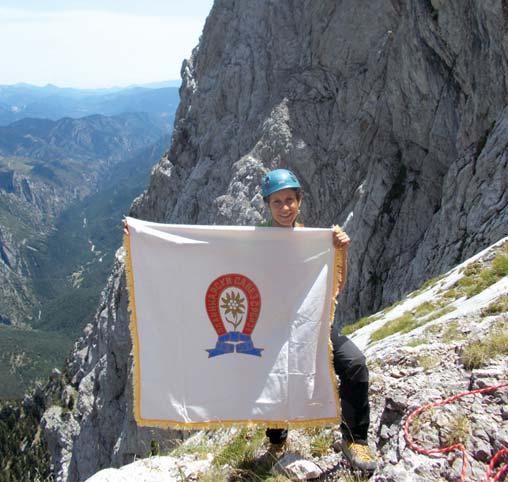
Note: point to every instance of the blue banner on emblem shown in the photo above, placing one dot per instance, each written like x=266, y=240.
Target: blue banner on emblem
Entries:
x=234, y=341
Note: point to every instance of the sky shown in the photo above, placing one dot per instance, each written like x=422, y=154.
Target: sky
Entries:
x=97, y=43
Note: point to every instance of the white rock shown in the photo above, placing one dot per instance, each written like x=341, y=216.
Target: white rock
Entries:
x=154, y=469
x=297, y=468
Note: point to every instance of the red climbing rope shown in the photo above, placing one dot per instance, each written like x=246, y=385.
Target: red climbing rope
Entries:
x=443, y=450
x=493, y=462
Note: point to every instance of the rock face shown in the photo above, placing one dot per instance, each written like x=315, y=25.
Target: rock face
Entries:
x=434, y=362
x=392, y=113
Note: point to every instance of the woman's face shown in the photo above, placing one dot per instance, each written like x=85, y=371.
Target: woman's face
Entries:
x=284, y=206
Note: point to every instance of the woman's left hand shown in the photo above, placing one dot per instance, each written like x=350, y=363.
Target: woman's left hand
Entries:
x=340, y=238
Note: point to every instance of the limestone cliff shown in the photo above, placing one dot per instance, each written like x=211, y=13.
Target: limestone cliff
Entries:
x=393, y=114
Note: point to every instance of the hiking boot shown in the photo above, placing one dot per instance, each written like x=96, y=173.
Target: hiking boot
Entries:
x=276, y=450
x=272, y=455
x=360, y=456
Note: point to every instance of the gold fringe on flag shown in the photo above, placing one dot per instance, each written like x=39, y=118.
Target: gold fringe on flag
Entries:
x=339, y=280
x=133, y=326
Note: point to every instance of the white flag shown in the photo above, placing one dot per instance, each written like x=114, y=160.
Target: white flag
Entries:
x=231, y=325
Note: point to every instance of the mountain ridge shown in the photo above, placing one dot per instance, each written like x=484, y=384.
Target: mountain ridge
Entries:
x=87, y=136
x=55, y=103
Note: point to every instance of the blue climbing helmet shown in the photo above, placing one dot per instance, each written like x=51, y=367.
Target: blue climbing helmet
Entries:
x=277, y=180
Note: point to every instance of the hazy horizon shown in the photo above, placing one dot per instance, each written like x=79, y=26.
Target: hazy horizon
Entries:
x=151, y=84
x=97, y=44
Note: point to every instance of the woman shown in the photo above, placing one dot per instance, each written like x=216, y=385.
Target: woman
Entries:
x=283, y=196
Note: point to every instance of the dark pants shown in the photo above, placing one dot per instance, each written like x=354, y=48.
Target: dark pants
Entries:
x=350, y=366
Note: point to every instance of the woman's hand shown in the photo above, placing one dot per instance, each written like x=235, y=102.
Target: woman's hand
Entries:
x=125, y=227
x=340, y=238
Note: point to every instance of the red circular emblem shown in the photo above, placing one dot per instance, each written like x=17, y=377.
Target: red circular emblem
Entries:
x=233, y=298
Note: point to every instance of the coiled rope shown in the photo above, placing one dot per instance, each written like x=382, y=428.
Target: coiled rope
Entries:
x=458, y=446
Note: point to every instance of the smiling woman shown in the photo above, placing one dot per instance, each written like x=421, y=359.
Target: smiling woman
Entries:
x=285, y=206
x=100, y=46
x=282, y=193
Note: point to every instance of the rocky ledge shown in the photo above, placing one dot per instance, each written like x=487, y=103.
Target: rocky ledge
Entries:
x=448, y=338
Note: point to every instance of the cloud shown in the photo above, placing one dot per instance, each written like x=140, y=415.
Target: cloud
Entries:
x=93, y=48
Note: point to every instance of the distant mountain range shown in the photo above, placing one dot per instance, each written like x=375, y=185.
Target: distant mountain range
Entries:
x=50, y=102
x=95, y=136
x=64, y=186
x=45, y=168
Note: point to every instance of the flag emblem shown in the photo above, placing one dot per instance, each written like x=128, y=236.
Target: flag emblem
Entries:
x=233, y=304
